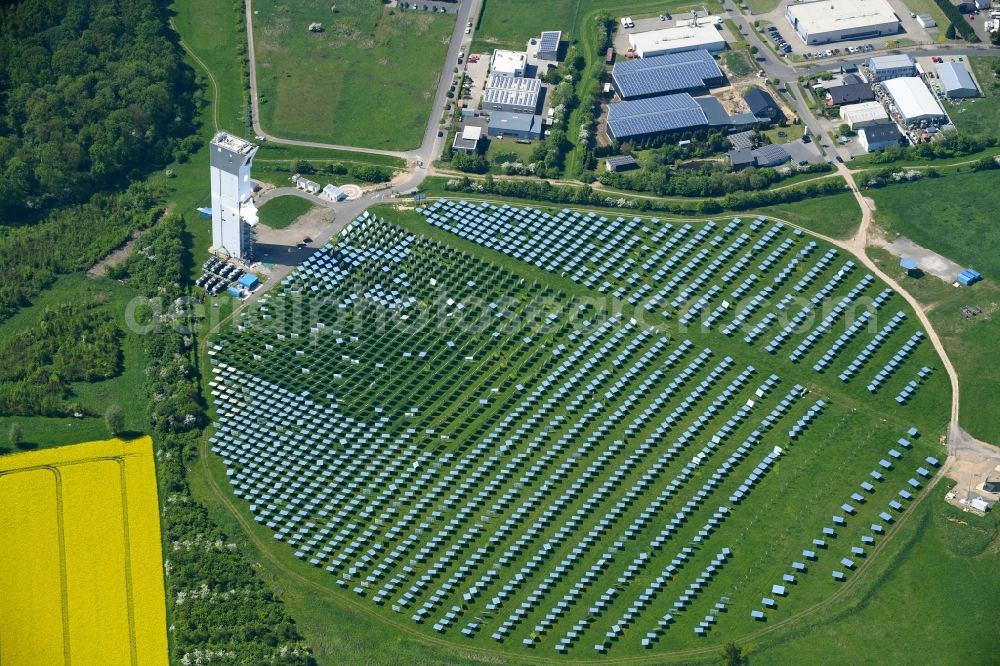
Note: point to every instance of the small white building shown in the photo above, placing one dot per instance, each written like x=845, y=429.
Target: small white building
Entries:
x=926, y=21
x=979, y=504
x=333, y=193
x=305, y=184
x=864, y=114
x=508, y=63
x=874, y=138
x=675, y=40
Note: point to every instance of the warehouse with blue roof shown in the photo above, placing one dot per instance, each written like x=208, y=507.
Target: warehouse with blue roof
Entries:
x=686, y=72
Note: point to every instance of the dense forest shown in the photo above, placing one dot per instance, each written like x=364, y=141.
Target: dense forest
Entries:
x=91, y=93
x=94, y=96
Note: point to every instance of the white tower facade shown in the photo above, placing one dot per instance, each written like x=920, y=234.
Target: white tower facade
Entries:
x=234, y=215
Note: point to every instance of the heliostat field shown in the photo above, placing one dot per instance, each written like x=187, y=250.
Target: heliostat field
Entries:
x=551, y=432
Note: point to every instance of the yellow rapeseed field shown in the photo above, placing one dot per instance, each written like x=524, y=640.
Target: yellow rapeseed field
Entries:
x=81, y=573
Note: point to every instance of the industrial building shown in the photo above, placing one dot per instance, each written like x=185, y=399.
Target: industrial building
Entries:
x=515, y=94
x=548, y=45
x=762, y=105
x=825, y=21
x=874, y=138
x=234, y=215
x=883, y=68
x=467, y=141
x=691, y=72
x=861, y=115
x=675, y=40
x=956, y=80
x=508, y=63
x=652, y=116
x=515, y=125
x=852, y=93
x=655, y=115
x=914, y=102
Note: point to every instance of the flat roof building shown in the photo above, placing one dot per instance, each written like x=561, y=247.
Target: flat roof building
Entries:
x=674, y=40
x=956, y=80
x=509, y=63
x=914, y=103
x=690, y=71
x=517, y=125
x=514, y=94
x=548, y=45
x=861, y=115
x=874, y=138
x=825, y=21
x=887, y=67
x=467, y=141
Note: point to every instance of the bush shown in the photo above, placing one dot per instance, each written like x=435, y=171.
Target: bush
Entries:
x=470, y=163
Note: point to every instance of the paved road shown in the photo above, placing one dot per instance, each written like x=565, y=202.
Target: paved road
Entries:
x=430, y=146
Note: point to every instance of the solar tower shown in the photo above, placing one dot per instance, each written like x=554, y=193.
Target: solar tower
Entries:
x=234, y=215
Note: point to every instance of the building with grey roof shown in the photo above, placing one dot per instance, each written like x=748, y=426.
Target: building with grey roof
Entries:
x=956, y=80
x=877, y=137
x=514, y=94
x=887, y=67
x=770, y=155
x=620, y=163
x=671, y=73
x=515, y=125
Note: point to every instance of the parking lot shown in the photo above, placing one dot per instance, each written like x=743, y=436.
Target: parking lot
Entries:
x=655, y=23
x=443, y=7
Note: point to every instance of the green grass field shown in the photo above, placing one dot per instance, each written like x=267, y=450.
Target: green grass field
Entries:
x=927, y=602
x=947, y=215
x=281, y=212
x=979, y=116
x=367, y=80
x=836, y=215
x=737, y=63
x=440, y=400
x=761, y=6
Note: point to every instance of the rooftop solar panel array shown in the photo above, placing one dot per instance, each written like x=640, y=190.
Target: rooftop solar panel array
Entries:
x=655, y=114
x=668, y=73
x=550, y=41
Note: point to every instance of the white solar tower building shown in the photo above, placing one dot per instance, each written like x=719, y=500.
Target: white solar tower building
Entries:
x=234, y=215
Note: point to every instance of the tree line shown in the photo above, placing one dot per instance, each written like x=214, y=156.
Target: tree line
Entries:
x=217, y=603
x=542, y=190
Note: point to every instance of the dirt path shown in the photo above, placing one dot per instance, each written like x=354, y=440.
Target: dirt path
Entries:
x=119, y=255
